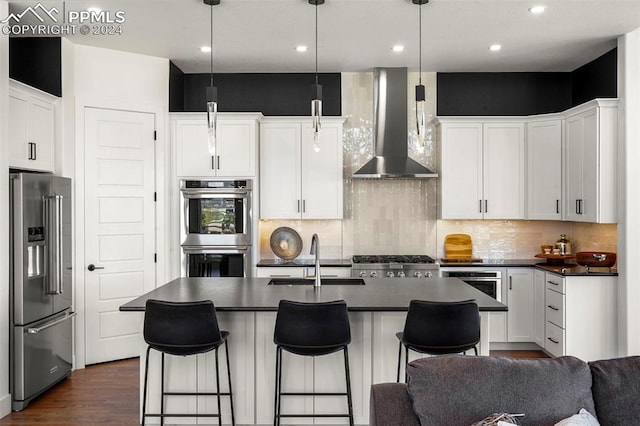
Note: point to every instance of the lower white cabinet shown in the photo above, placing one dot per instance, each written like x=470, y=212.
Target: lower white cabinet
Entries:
x=581, y=317
x=539, y=308
x=302, y=271
x=520, y=322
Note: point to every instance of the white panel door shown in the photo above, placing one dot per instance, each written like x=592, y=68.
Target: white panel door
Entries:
x=236, y=154
x=119, y=228
x=544, y=171
x=280, y=171
x=461, y=170
x=504, y=171
x=322, y=173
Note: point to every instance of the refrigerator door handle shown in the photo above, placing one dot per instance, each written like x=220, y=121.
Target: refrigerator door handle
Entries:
x=53, y=226
x=36, y=330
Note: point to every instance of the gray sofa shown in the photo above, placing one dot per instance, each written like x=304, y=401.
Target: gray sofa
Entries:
x=461, y=390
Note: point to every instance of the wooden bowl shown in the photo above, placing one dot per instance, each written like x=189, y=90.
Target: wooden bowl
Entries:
x=596, y=259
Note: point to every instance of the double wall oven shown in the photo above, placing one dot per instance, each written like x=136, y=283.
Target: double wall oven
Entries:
x=215, y=228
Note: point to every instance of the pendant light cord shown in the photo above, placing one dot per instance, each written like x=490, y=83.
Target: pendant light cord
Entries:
x=316, y=43
x=420, y=46
x=211, y=56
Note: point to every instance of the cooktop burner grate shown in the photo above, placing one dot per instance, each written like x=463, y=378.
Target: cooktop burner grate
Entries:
x=392, y=258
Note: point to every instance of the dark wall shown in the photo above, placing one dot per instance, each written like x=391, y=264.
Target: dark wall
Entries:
x=525, y=93
x=37, y=61
x=597, y=79
x=176, y=88
x=271, y=94
x=502, y=93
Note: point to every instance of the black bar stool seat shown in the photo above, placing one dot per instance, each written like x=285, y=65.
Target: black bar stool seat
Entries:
x=184, y=329
x=311, y=329
x=437, y=328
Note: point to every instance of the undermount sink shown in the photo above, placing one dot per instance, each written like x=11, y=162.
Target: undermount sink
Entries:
x=324, y=281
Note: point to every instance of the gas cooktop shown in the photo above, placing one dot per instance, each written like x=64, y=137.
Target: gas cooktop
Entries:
x=392, y=258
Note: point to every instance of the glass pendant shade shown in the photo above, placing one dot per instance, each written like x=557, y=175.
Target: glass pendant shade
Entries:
x=316, y=114
x=212, y=118
x=421, y=116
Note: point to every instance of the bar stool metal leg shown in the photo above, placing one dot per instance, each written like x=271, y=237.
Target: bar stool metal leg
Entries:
x=349, y=401
x=226, y=348
x=399, y=361
x=278, y=387
x=162, y=393
x=144, y=392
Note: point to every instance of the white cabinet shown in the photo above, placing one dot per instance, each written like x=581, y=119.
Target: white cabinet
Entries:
x=590, y=162
x=302, y=271
x=581, y=317
x=31, y=128
x=296, y=182
x=544, y=169
x=520, y=322
x=539, y=307
x=483, y=169
x=236, y=148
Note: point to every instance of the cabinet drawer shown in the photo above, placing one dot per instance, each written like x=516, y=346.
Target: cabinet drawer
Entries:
x=554, y=342
x=555, y=283
x=280, y=272
x=555, y=307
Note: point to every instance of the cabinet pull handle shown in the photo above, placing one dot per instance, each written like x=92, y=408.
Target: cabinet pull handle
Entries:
x=304, y=206
x=31, y=149
x=213, y=162
x=577, y=206
x=553, y=308
x=298, y=206
x=480, y=204
x=510, y=283
x=218, y=161
x=553, y=340
x=280, y=275
x=558, y=206
x=35, y=151
x=554, y=283
x=485, y=206
x=581, y=207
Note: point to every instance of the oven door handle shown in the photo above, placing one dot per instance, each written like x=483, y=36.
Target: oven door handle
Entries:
x=211, y=193
x=215, y=249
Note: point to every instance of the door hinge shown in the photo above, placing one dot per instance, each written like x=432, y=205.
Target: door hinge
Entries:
x=155, y=257
x=155, y=196
x=155, y=135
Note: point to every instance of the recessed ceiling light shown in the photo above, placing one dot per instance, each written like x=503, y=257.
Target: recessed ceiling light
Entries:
x=536, y=10
x=398, y=48
x=205, y=49
x=301, y=48
x=495, y=47
x=94, y=9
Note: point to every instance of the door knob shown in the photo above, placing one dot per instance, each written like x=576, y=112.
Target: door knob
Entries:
x=93, y=267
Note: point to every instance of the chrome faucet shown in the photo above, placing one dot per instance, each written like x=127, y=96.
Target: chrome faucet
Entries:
x=315, y=250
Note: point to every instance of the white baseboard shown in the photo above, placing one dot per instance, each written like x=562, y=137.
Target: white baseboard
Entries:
x=5, y=405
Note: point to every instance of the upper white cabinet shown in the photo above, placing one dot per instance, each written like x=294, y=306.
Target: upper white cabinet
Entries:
x=31, y=128
x=590, y=159
x=236, y=148
x=483, y=169
x=544, y=169
x=296, y=182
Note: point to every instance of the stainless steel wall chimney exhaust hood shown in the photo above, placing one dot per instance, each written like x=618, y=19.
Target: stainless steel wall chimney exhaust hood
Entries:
x=390, y=130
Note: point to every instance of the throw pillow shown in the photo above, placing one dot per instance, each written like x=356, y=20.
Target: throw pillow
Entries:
x=583, y=418
x=499, y=419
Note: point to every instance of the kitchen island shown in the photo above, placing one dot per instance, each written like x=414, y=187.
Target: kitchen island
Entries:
x=247, y=308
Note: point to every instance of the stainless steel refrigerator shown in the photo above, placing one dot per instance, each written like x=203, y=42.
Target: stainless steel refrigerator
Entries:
x=41, y=294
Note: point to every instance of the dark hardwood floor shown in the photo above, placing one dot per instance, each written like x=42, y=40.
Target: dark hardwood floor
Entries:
x=108, y=394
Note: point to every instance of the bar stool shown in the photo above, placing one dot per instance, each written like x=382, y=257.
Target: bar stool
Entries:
x=436, y=328
x=311, y=329
x=183, y=329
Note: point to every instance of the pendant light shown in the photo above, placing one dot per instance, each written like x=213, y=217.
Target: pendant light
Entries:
x=316, y=101
x=212, y=94
x=423, y=126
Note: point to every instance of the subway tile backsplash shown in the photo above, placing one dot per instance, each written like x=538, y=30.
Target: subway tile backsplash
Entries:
x=400, y=216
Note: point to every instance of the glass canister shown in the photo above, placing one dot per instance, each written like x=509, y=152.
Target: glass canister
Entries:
x=564, y=245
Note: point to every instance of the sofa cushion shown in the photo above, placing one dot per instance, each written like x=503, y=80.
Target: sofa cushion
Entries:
x=391, y=405
x=458, y=389
x=616, y=386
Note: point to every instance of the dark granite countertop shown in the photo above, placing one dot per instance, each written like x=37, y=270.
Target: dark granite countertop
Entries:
x=254, y=294
x=566, y=269
x=304, y=262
